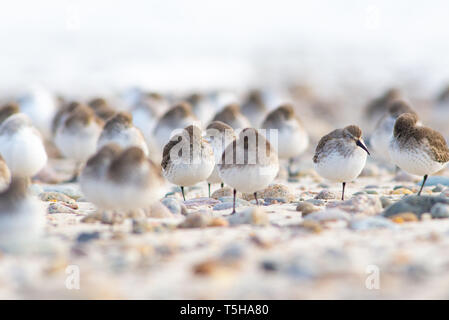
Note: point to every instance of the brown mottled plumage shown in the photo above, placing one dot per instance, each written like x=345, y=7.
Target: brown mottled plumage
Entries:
x=232, y=116
x=12, y=197
x=120, y=121
x=228, y=114
x=406, y=132
x=398, y=107
x=249, y=142
x=380, y=104
x=282, y=113
x=219, y=125
x=8, y=110
x=62, y=114
x=101, y=108
x=350, y=133
x=82, y=115
x=194, y=136
x=180, y=110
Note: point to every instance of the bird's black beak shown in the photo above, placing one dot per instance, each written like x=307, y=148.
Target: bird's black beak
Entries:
x=361, y=145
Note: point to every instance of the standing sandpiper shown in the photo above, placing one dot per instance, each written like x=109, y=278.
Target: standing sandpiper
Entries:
x=380, y=138
x=417, y=149
x=21, y=146
x=232, y=116
x=254, y=108
x=248, y=164
x=22, y=217
x=8, y=110
x=341, y=155
x=220, y=135
x=292, y=139
x=77, y=135
x=187, y=158
x=178, y=117
x=120, y=129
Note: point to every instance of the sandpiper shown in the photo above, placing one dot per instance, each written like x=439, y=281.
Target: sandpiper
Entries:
x=254, y=108
x=187, y=158
x=135, y=181
x=8, y=110
x=120, y=129
x=101, y=108
x=77, y=136
x=94, y=180
x=292, y=138
x=174, y=120
x=378, y=106
x=145, y=117
x=380, y=138
x=341, y=155
x=22, y=216
x=417, y=149
x=248, y=164
x=61, y=116
x=220, y=135
x=232, y=116
x=200, y=107
x=21, y=146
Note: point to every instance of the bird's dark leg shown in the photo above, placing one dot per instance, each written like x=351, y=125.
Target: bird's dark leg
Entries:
x=222, y=185
x=183, y=195
x=233, y=206
x=422, y=186
x=209, y=189
x=289, y=167
x=343, y=192
x=255, y=197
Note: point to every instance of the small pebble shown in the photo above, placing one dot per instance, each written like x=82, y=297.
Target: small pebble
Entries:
x=254, y=216
x=305, y=208
x=404, y=217
x=325, y=195
x=440, y=211
x=195, y=220
x=87, y=236
x=328, y=215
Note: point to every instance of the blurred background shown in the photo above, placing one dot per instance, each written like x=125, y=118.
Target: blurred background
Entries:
x=94, y=46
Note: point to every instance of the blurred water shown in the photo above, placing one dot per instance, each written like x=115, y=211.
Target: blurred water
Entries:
x=95, y=46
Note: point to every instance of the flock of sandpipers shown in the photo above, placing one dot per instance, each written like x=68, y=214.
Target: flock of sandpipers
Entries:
x=125, y=158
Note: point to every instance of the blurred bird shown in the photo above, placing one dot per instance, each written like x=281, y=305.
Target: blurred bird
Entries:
x=174, y=120
x=22, y=217
x=120, y=129
x=200, y=107
x=77, y=135
x=292, y=138
x=21, y=146
x=232, y=116
x=8, y=110
x=254, y=108
x=135, y=182
x=378, y=106
x=381, y=136
x=101, y=108
x=94, y=181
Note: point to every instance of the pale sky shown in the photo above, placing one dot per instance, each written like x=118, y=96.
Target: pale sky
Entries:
x=142, y=40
